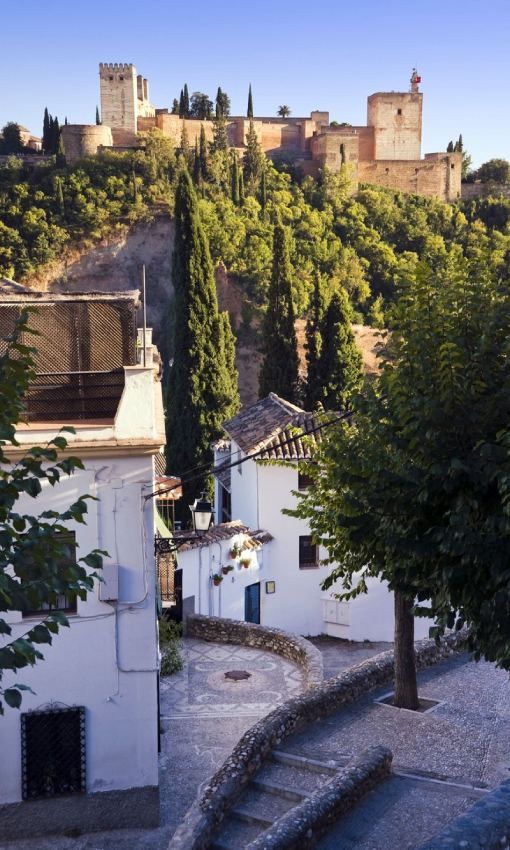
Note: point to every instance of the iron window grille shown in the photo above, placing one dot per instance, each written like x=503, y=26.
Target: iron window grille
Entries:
x=304, y=480
x=308, y=553
x=65, y=602
x=53, y=759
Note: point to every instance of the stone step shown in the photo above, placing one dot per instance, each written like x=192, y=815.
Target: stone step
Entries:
x=260, y=808
x=235, y=835
x=294, y=760
x=295, y=777
x=286, y=791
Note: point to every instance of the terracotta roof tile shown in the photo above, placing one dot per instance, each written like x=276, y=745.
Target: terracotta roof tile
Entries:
x=225, y=531
x=275, y=426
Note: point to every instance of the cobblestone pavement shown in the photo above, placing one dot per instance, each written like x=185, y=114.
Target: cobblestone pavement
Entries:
x=202, y=717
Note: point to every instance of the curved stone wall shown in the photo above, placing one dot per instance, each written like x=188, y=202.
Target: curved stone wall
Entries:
x=84, y=140
x=486, y=824
x=290, y=646
x=257, y=743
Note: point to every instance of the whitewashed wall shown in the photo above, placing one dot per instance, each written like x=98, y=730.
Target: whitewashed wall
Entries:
x=107, y=659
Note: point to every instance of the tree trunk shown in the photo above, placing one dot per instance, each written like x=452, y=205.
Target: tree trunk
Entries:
x=406, y=687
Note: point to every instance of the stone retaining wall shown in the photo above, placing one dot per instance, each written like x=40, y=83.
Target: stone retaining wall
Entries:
x=257, y=743
x=303, y=825
x=486, y=824
x=297, y=649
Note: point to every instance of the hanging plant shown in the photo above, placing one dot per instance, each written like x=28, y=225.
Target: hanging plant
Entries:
x=245, y=562
x=227, y=569
x=235, y=551
x=217, y=579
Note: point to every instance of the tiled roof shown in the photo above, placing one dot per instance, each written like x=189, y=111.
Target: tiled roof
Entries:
x=221, y=445
x=224, y=531
x=274, y=427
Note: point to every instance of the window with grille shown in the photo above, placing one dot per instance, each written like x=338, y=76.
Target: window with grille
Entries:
x=65, y=602
x=53, y=752
x=304, y=480
x=308, y=553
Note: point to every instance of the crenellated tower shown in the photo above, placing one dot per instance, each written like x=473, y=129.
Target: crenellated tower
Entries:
x=119, y=100
x=396, y=118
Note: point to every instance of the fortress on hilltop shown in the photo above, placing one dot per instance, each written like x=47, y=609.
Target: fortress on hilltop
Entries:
x=385, y=152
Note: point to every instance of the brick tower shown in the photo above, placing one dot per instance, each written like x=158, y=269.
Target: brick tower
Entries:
x=119, y=101
x=396, y=118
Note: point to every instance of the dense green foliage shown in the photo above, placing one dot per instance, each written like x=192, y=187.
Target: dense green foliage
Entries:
x=279, y=369
x=202, y=385
x=366, y=244
x=496, y=170
x=415, y=488
x=337, y=372
x=10, y=140
x=35, y=568
x=170, y=643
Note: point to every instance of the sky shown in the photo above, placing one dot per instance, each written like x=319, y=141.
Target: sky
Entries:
x=320, y=54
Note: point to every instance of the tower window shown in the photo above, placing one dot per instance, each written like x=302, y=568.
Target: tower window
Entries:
x=399, y=112
x=110, y=78
x=121, y=78
x=452, y=166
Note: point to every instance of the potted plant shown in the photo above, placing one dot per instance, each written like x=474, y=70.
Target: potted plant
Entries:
x=228, y=568
x=217, y=579
x=235, y=551
x=245, y=561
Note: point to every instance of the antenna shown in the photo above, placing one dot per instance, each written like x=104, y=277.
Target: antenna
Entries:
x=144, y=318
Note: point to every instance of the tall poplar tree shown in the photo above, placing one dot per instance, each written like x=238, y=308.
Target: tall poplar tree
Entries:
x=338, y=373
x=314, y=342
x=279, y=370
x=200, y=389
x=249, y=111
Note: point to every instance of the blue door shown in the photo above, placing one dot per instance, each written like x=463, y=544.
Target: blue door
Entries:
x=252, y=603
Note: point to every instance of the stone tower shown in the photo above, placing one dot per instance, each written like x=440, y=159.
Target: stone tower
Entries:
x=119, y=100
x=396, y=118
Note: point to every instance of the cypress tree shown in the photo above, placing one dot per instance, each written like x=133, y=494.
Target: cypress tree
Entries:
x=249, y=111
x=241, y=187
x=98, y=119
x=279, y=370
x=449, y=148
x=199, y=389
x=185, y=147
x=253, y=156
x=314, y=342
x=175, y=107
x=263, y=191
x=46, y=136
x=181, y=104
x=219, y=103
x=61, y=154
x=339, y=368
x=228, y=341
x=235, y=180
x=203, y=153
x=65, y=120
x=220, y=137
x=197, y=166
x=185, y=100
x=59, y=196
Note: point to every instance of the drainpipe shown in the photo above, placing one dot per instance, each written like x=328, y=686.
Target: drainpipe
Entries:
x=199, y=579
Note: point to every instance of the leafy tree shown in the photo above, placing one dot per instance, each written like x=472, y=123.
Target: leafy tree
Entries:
x=249, y=111
x=98, y=119
x=253, y=155
x=283, y=111
x=496, y=170
x=376, y=313
x=201, y=106
x=222, y=104
x=314, y=341
x=279, y=370
x=199, y=388
x=11, y=141
x=35, y=568
x=414, y=489
x=338, y=372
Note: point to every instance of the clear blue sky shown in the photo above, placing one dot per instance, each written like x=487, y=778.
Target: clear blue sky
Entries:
x=324, y=54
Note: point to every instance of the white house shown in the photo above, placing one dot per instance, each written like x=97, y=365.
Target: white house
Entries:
x=281, y=586
x=82, y=753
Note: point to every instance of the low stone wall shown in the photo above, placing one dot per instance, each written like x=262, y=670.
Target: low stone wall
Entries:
x=303, y=825
x=486, y=824
x=258, y=742
x=293, y=647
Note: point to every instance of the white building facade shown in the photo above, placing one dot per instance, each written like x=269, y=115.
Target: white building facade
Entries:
x=282, y=585
x=106, y=664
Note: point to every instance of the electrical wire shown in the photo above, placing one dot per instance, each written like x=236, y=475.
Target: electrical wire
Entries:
x=222, y=467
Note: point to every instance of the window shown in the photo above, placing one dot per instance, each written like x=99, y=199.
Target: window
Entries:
x=226, y=504
x=308, y=553
x=304, y=480
x=65, y=602
x=53, y=752
x=399, y=112
x=452, y=166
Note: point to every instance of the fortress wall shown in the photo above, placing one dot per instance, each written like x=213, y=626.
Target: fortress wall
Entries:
x=327, y=150
x=432, y=177
x=146, y=123
x=171, y=126
x=366, y=143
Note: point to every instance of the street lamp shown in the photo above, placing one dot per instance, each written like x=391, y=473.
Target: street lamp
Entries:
x=202, y=514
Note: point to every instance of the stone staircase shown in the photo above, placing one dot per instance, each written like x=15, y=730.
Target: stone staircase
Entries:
x=282, y=782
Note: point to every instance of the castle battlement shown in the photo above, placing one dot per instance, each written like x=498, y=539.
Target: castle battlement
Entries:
x=117, y=68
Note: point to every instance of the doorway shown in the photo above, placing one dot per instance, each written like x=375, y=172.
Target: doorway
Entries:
x=252, y=603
